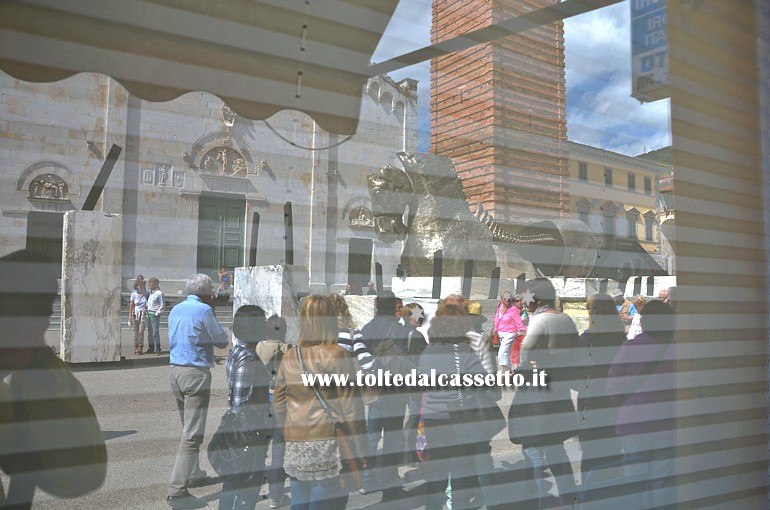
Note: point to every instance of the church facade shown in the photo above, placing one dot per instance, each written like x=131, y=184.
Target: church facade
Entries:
x=198, y=187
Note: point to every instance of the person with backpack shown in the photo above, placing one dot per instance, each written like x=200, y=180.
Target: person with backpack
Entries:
x=247, y=383
x=387, y=340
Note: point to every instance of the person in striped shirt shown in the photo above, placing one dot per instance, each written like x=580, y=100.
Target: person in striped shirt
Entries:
x=349, y=336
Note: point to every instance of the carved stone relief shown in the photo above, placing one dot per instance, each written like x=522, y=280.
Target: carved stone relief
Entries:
x=163, y=174
x=50, y=187
x=179, y=177
x=224, y=161
x=361, y=217
x=148, y=176
x=228, y=116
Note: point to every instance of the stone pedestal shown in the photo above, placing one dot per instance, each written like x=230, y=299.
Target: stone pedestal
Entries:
x=275, y=289
x=91, y=285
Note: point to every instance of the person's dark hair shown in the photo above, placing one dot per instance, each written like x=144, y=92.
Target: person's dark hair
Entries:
x=139, y=282
x=385, y=303
x=658, y=320
x=249, y=324
x=543, y=290
x=450, y=328
x=275, y=328
x=29, y=284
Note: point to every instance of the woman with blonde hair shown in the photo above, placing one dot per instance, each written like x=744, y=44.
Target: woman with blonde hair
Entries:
x=312, y=458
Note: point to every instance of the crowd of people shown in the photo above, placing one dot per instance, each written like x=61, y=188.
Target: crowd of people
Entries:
x=610, y=370
x=331, y=440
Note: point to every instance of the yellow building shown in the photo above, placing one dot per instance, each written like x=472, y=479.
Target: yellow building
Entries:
x=615, y=195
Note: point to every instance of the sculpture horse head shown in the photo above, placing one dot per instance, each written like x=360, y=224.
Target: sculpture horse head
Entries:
x=391, y=192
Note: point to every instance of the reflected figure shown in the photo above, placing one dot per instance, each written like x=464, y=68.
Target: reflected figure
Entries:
x=597, y=413
x=552, y=344
x=248, y=381
x=387, y=340
x=312, y=457
x=270, y=352
x=193, y=331
x=641, y=382
x=137, y=313
x=456, y=438
x=49, y=435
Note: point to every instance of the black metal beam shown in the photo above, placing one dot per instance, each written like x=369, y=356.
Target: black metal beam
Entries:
x=101, y=179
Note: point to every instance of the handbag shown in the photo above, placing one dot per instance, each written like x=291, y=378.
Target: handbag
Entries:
x=494, y=339
x=350, y=475
x=229, y=450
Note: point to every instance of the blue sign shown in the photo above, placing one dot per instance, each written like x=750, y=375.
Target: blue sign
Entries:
x=649, y=49
x=639, y=7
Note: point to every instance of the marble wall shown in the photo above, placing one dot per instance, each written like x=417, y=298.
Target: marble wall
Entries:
x=91, y=285
x=275, y=289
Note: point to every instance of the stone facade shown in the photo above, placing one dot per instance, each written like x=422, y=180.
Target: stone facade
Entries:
x=499, y=110
x=193, y=177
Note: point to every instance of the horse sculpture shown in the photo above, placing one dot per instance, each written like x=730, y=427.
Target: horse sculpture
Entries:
x=429, y=194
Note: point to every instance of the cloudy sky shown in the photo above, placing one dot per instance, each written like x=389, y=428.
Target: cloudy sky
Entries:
x=600, y=109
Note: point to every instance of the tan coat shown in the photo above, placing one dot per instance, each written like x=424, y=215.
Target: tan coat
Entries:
x=296, y=407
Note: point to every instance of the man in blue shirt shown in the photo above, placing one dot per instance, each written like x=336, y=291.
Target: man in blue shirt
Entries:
x=193, y=331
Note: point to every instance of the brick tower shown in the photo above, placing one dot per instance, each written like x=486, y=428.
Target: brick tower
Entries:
x=499, y=110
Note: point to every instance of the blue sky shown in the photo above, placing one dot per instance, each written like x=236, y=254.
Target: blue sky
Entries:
x=600, y=109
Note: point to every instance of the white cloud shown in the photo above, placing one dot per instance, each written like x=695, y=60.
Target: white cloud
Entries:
x=600, y=109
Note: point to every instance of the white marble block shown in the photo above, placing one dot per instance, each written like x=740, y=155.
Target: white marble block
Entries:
x=422, y=286
x=275, y=289
x=91, y=284
x=361, y=309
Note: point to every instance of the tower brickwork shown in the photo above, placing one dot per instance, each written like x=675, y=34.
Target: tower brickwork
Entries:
x=499, y=110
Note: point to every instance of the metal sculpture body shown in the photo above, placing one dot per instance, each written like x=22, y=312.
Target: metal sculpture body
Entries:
x=429, y=194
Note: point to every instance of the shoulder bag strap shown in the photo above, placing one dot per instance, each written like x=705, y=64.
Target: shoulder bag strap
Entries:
x=460, y=395
x=321, y=400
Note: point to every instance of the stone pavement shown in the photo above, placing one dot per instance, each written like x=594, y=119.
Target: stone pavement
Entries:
x=140, y=421
x=139, y=418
